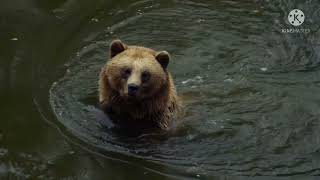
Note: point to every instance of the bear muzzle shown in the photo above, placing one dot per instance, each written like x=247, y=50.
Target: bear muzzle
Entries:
x=133, y=89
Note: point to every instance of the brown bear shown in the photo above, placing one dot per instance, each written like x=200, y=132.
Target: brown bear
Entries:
x=135, y=88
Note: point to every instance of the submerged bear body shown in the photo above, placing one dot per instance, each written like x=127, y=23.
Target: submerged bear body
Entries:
x=135, y=88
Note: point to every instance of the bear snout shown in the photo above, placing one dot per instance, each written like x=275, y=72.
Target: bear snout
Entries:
x=132, y=89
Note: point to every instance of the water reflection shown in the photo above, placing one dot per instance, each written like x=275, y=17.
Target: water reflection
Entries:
x=232, y=64
x=250, y=90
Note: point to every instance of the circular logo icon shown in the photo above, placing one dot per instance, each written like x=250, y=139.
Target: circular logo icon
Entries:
x=296, y=17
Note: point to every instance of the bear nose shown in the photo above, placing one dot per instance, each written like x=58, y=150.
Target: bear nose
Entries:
x=133, y=89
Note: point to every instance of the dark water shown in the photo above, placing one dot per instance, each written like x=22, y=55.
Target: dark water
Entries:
x=251, y=92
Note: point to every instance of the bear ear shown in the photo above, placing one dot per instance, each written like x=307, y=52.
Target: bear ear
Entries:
x=163, y=58
x=117, y=47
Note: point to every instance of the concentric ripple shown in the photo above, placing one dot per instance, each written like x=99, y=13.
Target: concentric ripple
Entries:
x=250, y=91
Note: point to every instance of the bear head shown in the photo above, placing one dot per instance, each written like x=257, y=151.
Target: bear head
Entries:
x=136, y=72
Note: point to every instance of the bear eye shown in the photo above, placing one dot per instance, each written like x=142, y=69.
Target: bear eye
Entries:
x=126, y=73
x=145, y=76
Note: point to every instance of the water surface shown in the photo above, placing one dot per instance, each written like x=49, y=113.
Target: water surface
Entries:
x=250, y=90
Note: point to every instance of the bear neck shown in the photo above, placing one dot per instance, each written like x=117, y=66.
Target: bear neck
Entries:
x=155, y=104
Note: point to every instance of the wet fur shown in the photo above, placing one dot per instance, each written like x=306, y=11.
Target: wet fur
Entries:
x=152, y=111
